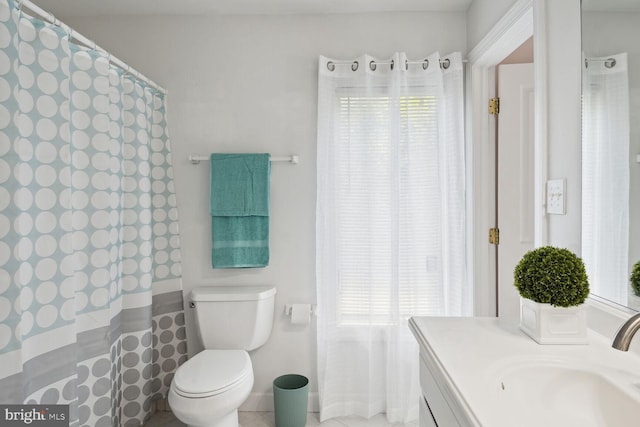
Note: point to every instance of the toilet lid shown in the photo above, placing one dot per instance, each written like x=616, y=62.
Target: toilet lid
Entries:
x=211, y=372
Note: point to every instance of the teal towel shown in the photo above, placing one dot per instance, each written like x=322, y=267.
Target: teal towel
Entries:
x=240, y=184
x=239, y=207
x=240, y=241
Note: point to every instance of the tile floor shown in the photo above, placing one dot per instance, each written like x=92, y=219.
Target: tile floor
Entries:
x=266, y=419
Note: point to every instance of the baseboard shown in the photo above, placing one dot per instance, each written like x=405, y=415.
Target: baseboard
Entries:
x=263, y=402
x=256, y=402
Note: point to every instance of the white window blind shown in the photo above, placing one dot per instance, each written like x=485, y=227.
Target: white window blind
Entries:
x=388, y=199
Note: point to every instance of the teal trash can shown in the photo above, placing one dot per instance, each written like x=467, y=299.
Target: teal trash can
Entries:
x=290, y=400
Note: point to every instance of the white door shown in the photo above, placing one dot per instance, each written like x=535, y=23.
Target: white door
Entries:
x=515, y=179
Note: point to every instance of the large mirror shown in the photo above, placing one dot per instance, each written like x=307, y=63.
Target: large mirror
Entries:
x=611, y=147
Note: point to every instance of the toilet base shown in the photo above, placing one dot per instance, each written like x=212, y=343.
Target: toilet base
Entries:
x=229, y=420
x=220, y=409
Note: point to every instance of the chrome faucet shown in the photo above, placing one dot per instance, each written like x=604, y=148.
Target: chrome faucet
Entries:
x=626, y=333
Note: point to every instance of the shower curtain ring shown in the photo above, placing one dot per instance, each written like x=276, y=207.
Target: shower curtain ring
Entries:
x=69, y=32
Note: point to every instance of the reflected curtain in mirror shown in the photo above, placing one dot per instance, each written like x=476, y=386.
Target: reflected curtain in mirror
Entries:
x=605, y=175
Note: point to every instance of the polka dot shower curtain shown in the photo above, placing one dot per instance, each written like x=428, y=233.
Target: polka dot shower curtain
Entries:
x=91, y=310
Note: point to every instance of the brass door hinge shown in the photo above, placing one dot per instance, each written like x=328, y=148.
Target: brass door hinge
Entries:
x=494, y=106
x=494, y=236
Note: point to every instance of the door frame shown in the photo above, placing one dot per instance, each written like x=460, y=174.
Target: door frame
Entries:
x=513, y=29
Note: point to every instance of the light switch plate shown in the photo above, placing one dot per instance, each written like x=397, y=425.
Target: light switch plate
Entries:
x=556, y=196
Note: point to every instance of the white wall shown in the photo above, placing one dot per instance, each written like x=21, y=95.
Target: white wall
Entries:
x=564, y=116
x=482, y=15
x=249, y=84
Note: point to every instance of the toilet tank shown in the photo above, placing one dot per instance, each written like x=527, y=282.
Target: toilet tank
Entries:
x=233, y=317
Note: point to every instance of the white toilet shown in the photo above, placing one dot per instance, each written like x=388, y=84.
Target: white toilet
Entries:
x=207, y=389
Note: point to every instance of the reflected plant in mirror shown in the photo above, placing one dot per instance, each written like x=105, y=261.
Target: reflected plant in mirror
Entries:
x=635, y=279
x=610, y=146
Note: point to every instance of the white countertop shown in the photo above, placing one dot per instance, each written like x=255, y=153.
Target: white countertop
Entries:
x=472, y=354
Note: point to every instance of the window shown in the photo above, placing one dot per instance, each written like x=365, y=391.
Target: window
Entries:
x=388, y=209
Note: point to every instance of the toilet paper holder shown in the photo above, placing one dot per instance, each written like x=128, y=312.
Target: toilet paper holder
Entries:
x=288, y=307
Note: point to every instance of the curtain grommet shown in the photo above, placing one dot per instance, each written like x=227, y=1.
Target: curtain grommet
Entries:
x=354, y=66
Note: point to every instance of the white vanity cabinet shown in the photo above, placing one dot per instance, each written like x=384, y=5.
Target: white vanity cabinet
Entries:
x=426, y=417
x=435, y=411
x=438, y=405
x=439, y=412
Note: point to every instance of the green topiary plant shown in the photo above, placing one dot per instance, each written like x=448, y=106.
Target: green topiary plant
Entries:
x=553, y=276
x=635, y=279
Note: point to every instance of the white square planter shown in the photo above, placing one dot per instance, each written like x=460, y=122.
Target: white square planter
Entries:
x=547, y=324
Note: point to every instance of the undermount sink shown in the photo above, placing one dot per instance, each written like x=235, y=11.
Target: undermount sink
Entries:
x=567, y=393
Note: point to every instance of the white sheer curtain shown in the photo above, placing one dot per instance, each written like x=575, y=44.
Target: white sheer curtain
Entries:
x=390, y=225
x=605, y=176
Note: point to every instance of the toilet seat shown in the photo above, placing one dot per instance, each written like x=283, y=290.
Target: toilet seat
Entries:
x=212, y=372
